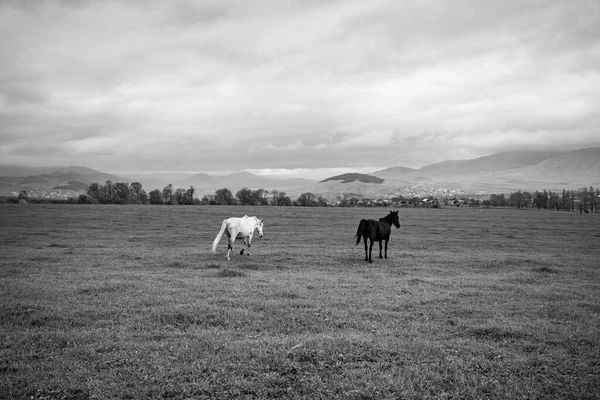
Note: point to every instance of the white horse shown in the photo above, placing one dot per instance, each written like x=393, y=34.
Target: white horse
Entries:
x=239, y=228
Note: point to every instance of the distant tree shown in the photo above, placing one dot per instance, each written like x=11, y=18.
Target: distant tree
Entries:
x=156, y=197
x=585, y=199
x=206, y=199
x=274, y=195
x=306, y=200
x=135, y=188
x=179, y=197
x=83, y=199
x=137, y=194
x=556, y=200
x=224, y=197
x=183, y=196
x=516, y=199
x=498, y=200
x=527, y=199
x=121, y=193
x=540, y=199
x=189, y=195
x=280, y=199
x=93, y=191
x=259, y=197
x=108, y=192
x=167, y=194
x=245, y=197
x=322, y=201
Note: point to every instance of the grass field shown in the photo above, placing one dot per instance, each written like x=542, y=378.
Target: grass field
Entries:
x=129, y=303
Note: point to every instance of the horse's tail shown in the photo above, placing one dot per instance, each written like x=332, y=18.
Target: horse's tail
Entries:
x=216, y=241
x=359, y=232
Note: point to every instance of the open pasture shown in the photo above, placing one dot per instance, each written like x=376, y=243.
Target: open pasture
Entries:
x=129, y=302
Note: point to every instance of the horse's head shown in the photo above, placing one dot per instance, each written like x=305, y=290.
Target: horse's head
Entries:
x=395, y=219
x=259, y=226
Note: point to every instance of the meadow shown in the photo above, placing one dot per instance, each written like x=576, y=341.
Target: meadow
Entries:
x=128, y=302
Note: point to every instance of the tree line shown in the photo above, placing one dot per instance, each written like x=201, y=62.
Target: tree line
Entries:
x=584, y=200
x=134, y=193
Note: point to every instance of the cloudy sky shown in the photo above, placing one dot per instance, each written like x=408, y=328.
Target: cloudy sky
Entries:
x=298, y=88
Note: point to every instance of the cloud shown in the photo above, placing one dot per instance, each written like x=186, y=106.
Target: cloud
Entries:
x=268, y=85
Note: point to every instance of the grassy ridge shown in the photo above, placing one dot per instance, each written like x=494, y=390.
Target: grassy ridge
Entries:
x=129, y=302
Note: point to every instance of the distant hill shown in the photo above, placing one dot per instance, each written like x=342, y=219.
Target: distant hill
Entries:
x=68, y=179
x=497, y=173
x=492, y=163
x=394, y=172
x=58, y=172
x=580, y=161
x=351, y=177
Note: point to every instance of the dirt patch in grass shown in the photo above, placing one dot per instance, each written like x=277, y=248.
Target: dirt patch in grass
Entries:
x=230, y=273
x=176, y=265
x=545, y=270
x=496, y=334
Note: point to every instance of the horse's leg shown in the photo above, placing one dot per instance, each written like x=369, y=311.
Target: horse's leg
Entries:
x=230, y=242
x=380, y=255
x=242, y=250
x=371, y=243
x=366, y=249
x=386, y=244
x=249, y=243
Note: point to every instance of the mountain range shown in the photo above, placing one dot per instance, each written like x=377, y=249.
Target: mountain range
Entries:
x=497, y=173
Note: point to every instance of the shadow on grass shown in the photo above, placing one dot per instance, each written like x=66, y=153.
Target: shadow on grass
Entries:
x=63, y=246
x=176, y=265
x=192, y=265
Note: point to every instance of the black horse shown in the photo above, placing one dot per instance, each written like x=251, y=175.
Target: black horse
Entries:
x=377, y=231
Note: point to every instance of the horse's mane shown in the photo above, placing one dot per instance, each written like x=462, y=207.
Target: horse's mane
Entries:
x=253, y=217
x=388, y=218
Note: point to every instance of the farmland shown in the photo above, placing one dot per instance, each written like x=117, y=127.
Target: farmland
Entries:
x=125, y=302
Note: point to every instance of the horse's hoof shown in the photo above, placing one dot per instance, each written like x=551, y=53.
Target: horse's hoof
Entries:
x=241, y=252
